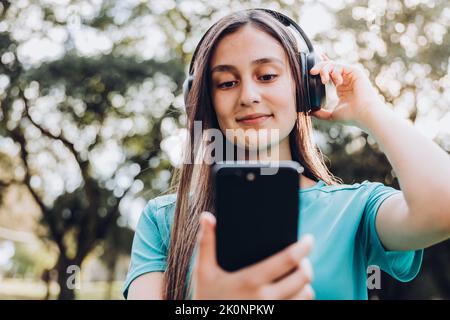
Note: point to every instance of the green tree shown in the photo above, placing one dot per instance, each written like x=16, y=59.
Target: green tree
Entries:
x=91, y=97
x=68, y=111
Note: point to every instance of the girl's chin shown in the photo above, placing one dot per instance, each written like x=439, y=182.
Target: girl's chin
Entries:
x=269, y=146
x=253, y=138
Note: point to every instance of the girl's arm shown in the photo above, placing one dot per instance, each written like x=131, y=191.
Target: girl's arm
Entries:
x=149, y=286
x=420, y=215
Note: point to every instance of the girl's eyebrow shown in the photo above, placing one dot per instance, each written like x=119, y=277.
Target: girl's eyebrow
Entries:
x=231, y=68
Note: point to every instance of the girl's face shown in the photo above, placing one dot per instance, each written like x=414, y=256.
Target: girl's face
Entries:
x=252, y=87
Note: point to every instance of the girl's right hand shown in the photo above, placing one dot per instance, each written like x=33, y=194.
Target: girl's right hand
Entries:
x=285, y=275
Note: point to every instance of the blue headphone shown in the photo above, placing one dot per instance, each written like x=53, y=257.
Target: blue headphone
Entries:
x=313, y=87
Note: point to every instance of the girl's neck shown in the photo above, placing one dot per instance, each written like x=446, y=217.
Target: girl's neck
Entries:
x=278, y=152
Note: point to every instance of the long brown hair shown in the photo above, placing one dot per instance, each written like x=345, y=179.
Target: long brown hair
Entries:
x=193, y=184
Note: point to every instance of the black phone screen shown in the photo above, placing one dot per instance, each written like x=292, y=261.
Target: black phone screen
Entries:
x=257, y=214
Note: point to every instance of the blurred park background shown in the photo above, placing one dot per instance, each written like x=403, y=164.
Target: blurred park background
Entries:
x=92, y=118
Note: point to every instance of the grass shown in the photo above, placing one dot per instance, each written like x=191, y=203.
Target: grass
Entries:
x=15, y=289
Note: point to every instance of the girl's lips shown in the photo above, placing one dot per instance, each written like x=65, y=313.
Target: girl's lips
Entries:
x=257, y=120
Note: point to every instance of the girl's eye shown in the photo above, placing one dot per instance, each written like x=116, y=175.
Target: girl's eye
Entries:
x=225, y=85
x=268, y=75
x=229, y=84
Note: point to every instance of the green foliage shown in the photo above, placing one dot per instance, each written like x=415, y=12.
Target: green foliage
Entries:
x=92, y=97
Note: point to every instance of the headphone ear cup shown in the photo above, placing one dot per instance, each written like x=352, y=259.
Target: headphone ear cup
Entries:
x=304, y=107
x=315, y=86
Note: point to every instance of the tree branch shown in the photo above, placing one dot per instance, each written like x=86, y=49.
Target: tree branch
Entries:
x=18, y=136
x=47, y=133
x=90, y=187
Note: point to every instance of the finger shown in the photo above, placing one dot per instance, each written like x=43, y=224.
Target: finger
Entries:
x=325, y=57
x=317, y=67
x=282, y=262
x=350, y=71
x=290, y=285
x=306, y=294
x=325, y=72
x=323, y=114
x=206, y=259
x=336, y=75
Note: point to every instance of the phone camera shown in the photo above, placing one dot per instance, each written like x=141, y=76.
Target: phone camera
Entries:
x=250, y=176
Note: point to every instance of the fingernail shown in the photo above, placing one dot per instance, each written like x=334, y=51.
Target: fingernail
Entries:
x=306, y=265
x=203, y=217
x=304, y=246
x=309, y=239
x=206, y=215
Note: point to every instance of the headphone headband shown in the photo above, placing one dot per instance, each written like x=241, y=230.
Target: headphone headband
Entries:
x=285, y=20
x=314, y=90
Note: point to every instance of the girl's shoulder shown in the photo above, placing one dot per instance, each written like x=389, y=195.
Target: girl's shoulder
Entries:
x=165, y=200
x=321, y=186
x=161, y=209
x=364, y=189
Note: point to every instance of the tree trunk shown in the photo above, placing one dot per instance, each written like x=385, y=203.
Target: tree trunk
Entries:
x=67, y=277
x=111, y=264
x=110, y=283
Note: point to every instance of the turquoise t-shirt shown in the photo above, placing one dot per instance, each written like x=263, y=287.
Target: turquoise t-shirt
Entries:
x=342, y=220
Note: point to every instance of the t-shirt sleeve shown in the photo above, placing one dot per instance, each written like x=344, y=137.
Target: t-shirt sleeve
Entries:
x=402, y=265
x=148, y=253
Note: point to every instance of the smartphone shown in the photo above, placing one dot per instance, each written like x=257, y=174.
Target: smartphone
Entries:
x=257, y=210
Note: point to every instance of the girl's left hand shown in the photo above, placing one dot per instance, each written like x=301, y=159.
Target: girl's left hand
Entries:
x=354, y=90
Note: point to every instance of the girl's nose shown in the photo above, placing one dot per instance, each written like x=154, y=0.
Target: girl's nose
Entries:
x=249, y=93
